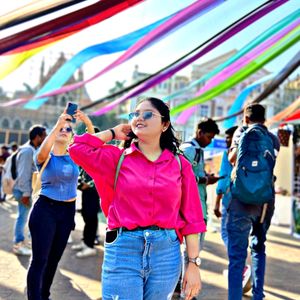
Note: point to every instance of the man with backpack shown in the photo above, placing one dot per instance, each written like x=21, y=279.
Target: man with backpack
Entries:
x=193, y=151
x=22, y=189
x=253, y=153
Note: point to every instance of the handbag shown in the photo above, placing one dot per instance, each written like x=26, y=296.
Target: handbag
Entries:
x=37, y=181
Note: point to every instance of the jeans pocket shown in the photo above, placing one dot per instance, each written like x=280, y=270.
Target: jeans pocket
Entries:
x=172, y=236
x=111, y=237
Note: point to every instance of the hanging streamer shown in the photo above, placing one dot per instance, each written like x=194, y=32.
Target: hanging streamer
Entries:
x=215, y=41
x=239, y=64
x=184, y=16
x=12, y=62
x=292, y=65
x=122, y=43
x=72, y=22
x=284, y=113
x=252, y=67
x=256, y=41
x=32, y=11
x=294, y=118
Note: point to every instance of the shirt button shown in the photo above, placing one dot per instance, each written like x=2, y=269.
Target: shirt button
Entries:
x=147, y=233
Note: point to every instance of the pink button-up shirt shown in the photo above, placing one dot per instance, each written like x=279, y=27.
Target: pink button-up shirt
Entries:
x=147, y=193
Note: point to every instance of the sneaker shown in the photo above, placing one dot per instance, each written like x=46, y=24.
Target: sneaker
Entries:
x=78, y=247
x=247, y=279
x=20, y=249
x=86, y=252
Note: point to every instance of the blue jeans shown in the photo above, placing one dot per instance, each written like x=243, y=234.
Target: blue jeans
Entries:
x=140, y=265
x=22, y=217
x=50, y=224
x=238, y=227
x=224, y=233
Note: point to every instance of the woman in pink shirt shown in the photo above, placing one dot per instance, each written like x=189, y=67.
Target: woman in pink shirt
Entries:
x=151, y=206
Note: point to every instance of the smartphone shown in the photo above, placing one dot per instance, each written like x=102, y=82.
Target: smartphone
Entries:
x=71, y=110
x=222, y=177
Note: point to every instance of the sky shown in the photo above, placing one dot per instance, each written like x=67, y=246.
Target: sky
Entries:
x=160, y=54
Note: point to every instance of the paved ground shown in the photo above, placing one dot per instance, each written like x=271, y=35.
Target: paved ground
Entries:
x=79, y=279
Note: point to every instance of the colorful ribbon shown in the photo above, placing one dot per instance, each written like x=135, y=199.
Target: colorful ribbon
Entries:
x=284, y=113
x=33, y=10
x=122, y=43
x=279, y=78
x=233, y=68
x=256, y=41
x=182, y=17
x=216, y=41
x=252, y=67
x=69, y=23
x=12, y=62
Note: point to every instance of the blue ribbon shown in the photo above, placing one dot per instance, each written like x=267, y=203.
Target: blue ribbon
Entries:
x=64, y=73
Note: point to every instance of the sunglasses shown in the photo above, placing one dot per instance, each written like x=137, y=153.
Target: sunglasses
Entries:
x=146, y=115
x=66, y=129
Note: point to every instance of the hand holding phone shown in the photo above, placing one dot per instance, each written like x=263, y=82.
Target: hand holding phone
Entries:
x=71, y=110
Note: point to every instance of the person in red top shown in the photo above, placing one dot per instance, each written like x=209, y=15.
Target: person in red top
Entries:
x=151, y=207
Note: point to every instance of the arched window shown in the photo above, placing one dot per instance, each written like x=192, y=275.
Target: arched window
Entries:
x=17, y=125
x=28, y=124
x=5, y=124
x=63, y=101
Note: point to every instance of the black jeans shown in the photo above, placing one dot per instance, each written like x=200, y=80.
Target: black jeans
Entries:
x=89, y=210
x=50, y=224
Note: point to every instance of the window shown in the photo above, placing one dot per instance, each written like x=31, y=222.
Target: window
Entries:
x=17, y=125
x=27, y=125
x=5, y=124
x=204, y=110
x=219, y=111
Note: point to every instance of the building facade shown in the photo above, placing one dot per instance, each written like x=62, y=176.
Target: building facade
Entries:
x=15, y=120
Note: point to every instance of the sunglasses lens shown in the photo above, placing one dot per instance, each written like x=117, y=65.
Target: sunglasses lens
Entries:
x=131, y=116
x=147, y=115
x=68, y=129
x=134, y=115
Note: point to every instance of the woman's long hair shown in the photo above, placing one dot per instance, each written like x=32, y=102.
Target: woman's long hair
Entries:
x=168, y=139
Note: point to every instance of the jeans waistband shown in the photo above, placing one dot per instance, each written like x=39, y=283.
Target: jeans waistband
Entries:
x=56, y=202
x=140, y=228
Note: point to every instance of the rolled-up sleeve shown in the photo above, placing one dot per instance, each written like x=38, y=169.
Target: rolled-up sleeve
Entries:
x=190, y=209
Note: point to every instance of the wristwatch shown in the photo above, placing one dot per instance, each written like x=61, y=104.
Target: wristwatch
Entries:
x=196, y=261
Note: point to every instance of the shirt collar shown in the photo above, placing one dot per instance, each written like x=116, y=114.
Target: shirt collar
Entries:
x=196, y=143
x=165, y=155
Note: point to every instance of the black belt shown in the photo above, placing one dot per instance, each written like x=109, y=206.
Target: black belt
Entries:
x=139, y=228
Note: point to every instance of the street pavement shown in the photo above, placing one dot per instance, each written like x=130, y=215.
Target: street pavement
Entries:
x=79, y=279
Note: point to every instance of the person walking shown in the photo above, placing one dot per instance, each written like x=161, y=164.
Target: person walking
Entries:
x=224, y=195
x=23, y=186
x=193, y=150
x=149, y=195
x=223, y=186
x=52, y=216
x=248, y=154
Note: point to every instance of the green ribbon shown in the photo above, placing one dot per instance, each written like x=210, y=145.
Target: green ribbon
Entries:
x=274, y=51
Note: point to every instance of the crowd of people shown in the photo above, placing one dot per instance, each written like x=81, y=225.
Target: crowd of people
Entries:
x=151, y=187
